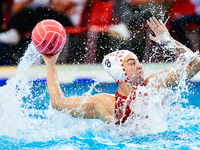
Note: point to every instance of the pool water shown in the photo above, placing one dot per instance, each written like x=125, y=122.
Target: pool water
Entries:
x=27, y=120
x=41, y=127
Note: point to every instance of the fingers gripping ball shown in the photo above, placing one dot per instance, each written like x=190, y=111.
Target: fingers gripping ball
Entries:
x=48, y=36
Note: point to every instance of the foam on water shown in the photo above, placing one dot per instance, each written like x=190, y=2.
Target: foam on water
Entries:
x=17, y=121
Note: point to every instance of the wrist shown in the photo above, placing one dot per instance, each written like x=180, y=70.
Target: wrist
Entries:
x=50, y=64
x=166, y=40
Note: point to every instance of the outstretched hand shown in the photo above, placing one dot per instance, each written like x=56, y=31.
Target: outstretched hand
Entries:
x=50, y=59
x=162, y=35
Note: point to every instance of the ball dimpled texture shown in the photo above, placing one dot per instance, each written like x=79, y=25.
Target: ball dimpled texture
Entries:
x=48, y=36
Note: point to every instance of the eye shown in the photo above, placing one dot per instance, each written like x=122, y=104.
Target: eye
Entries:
x=131, y=63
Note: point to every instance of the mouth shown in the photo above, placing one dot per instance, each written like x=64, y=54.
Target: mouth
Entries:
x=141, y=72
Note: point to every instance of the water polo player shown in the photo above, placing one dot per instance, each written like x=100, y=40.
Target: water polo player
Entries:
x=126, y=70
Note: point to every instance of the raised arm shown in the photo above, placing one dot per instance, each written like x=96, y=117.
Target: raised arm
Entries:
x=189, y=58
x=75, y=106
x=97, y=106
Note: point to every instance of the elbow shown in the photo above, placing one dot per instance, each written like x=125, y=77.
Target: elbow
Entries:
x=195, y=62
x=57, y=102
x=56, y=106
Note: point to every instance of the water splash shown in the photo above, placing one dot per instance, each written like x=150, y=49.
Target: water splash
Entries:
x=11, y=116
x=21, y=124
x=20, y=120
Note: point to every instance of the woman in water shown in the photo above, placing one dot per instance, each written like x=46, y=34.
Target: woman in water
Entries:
x=126, y=70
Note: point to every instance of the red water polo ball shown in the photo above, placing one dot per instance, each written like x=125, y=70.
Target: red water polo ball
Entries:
x=48, y=36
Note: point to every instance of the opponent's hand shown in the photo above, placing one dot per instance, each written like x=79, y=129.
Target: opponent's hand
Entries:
x=162, y=35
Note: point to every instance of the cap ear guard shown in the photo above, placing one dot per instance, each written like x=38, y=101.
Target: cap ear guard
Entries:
x=117, y=73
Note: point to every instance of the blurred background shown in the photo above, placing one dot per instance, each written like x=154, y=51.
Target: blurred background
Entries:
x=97, y=27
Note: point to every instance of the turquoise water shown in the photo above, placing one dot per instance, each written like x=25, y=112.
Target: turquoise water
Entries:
x=27, y=120
x=40, y=127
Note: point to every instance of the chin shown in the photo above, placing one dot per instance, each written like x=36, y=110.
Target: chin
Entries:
x=138, y=81
x=141, y=80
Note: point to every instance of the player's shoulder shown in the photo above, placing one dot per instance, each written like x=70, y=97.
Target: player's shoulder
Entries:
x=105, y=101
x=103, y=96
x=100, y=97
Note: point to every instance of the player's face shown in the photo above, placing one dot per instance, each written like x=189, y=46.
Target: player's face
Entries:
x=133, y=68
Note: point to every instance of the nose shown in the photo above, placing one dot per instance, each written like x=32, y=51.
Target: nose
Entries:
x=139, y=66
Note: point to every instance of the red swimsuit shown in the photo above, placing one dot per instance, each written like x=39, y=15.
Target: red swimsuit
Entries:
x=120, y=102
x=123, y=102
